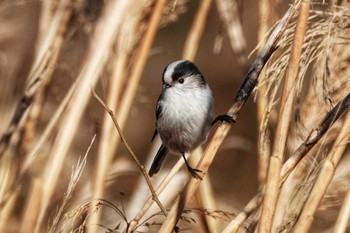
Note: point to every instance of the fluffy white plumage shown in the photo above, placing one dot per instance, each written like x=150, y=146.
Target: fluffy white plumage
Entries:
x=184, y=111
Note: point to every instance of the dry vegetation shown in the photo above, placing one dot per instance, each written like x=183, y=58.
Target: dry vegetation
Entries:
x=79, y=81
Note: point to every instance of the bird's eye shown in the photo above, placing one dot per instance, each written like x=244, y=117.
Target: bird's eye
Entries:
x=181, y=80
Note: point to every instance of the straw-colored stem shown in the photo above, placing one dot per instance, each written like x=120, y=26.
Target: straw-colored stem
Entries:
x=39, y=94
x=344, y=215
x=324, y=178
x=285, y=114
x=265, y=14
x=196, y=30
x=34, y=151
x=103, y=39
x=75, y=177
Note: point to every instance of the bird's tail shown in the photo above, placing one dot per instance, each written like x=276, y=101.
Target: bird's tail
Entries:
x=158, y=160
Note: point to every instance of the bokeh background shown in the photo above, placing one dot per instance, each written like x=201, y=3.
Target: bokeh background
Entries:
x=233, y=174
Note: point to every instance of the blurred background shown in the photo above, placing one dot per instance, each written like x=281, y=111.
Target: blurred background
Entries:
x=233, y=174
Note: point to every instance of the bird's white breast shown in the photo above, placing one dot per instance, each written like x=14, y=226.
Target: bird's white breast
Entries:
x=186, y=117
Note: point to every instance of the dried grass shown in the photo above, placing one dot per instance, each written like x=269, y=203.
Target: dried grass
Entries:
x=307, y=177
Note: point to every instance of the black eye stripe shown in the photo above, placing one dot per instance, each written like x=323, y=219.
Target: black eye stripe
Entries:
x=184, y=69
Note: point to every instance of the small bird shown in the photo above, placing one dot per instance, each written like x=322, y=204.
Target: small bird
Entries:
x=184, y=113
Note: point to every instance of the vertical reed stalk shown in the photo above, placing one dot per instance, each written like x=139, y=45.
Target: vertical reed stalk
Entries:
x=265, y=14
x=284, y=119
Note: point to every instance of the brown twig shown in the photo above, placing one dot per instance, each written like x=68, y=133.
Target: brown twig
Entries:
x=141, y=167
x=242, y=96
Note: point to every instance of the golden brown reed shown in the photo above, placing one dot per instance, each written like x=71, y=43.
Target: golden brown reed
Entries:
x=306, y=182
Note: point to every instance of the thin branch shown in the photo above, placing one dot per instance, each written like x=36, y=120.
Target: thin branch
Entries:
x=141, y=167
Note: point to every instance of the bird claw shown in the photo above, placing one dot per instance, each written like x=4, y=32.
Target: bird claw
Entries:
x=193, y=173
x=222, y=118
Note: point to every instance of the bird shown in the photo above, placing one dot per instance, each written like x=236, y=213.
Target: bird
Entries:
x=184, y=113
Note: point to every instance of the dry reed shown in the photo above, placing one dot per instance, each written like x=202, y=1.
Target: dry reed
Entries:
x=41, y=140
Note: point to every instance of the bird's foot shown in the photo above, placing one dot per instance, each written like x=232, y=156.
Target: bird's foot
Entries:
x=194, y=173
x=226, y=118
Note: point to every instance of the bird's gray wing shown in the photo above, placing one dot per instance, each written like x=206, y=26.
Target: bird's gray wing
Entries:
x=158, y=113
x=158, y=160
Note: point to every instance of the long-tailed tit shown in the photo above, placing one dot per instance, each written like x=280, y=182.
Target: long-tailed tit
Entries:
x=184, y=113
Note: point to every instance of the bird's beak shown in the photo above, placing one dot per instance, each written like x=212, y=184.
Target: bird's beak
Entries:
x=165, y=85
